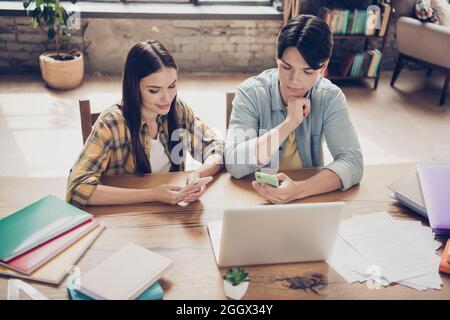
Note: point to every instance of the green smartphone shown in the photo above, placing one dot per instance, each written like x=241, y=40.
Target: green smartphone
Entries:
x=269, y=179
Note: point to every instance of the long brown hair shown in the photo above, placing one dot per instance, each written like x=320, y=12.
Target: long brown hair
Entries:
x=144, y=59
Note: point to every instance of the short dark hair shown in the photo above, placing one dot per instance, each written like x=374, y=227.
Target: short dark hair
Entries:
x=310, y=35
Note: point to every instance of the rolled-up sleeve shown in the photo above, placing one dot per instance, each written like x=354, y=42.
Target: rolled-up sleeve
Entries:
x=242, y=135
x=91, y=164
x=342, y=141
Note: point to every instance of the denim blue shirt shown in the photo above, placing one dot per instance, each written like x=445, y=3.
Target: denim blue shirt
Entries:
x=258, y=107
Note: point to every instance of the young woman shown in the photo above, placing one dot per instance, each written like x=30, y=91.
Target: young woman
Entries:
x=150, y=131
x=280, y=117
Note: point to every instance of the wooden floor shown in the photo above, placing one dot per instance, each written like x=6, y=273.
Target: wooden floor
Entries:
x=40, y=132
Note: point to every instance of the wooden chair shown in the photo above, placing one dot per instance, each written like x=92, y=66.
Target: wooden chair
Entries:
x=230, y=97
x=87, y=118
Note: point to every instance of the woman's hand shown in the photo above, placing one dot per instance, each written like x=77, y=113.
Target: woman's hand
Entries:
x=288, y=190
x=168, y=194
x=194, y=175
x=194, y=194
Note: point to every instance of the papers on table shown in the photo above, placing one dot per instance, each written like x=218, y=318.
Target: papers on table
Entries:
x=376, y=247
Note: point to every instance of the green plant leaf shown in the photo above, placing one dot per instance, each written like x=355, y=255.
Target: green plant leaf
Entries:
x=65, y=16
x=36, y=13
x=51, y=33
x=26, y=3
x=45, y=14
x=50, y=17
x=236, y=276
x=35, y=23
x=58, y=9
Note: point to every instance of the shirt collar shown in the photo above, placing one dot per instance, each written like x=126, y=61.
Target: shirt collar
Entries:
x=275, y=94
x=159, y=121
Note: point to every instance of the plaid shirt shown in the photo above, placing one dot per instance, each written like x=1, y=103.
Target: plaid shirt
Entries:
x=109, y=151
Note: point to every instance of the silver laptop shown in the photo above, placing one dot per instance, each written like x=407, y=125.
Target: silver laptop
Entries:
x=268, y=234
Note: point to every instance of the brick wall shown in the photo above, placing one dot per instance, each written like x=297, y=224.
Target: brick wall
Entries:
x=201, y=46
x=205, y=45
x=21, y=44
x=197, y=45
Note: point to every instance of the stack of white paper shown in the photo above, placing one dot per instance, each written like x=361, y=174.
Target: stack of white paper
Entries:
x=378, y=248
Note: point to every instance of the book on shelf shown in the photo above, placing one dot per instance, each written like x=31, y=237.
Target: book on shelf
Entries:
x=375, y=63
x=360, y=64
x=371, y=23
x=344, y=21
x=347, y=64
x=386, y=12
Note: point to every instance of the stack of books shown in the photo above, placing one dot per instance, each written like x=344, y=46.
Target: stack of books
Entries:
x=129, y=274
x=426, y=191
x=361, y=64
x=356, y=21
x=43, y=240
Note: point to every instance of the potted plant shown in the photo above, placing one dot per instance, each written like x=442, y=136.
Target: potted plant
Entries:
x=59, y=69
x=236, y=283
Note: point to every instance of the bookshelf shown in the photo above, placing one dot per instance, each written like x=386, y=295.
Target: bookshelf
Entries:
x=335, y=69
x=334, y=66
x=349, y=23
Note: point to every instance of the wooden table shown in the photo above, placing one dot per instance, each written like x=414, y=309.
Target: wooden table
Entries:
x=181, y=234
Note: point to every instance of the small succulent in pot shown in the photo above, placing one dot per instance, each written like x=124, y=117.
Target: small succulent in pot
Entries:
x=236, y=283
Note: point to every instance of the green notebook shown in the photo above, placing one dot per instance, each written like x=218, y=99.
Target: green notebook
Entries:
x=37, y=223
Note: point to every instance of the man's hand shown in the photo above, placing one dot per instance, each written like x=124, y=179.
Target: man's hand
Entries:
x=288, y=190
x=297, y=110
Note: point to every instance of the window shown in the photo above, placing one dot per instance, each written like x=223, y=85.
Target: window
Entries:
x=195, y=2
x=261, y=2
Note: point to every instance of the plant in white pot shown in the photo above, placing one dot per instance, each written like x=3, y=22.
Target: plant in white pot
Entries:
x=59, y=69
x=236, y=283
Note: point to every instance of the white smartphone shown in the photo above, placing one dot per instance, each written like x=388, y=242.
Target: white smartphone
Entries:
x=200, y=182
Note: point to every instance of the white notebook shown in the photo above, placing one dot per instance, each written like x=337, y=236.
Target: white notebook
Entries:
x=125, y=275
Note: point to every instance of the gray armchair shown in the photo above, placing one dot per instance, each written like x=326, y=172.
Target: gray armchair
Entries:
x=419, y=42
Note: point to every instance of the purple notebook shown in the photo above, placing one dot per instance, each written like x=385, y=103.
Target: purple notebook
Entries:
x=435, y=182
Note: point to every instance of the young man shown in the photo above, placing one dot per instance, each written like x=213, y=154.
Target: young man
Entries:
x=280, y=117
